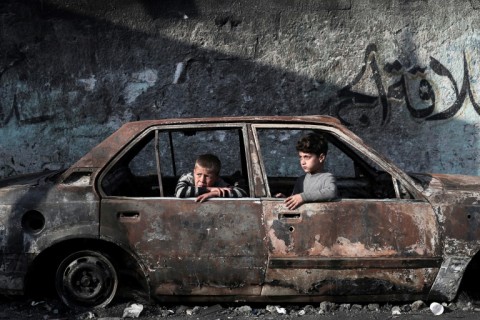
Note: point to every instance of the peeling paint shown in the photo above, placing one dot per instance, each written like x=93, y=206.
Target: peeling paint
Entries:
x=344, y=247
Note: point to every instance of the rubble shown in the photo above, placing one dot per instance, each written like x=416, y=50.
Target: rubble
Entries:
x=181, y=309
x=344, y=307
x=193, y=311
x=244, y=310
x=276, y=309
x=396, y=310
x=326, y=307
x=375, y=307
x=436, y=308
x=216, y=311
x=87, y=315
x=356, y=308
x=132, y=311
x=418, y=305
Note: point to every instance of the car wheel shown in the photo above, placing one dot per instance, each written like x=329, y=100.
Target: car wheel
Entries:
x=86, y=279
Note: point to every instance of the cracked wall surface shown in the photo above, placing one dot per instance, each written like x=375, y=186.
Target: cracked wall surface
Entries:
x=401, y=74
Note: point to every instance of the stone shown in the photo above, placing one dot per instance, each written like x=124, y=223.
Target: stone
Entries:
x=344, y=307
x=396, y=310
x=133, y=310
x=166, y=312
x=281, y=310
x=309, y=309
x=244, y=310
x=406, y=308
x=181, y=309
x=452, y=306
x=327, y=306
x=193, y=311
x=418, y=305
x=436, y=308
x=270, y=308
x=86, y=315
x=375, y=307
x=356, y=307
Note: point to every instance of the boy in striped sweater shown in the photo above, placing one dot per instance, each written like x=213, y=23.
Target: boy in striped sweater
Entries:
x=204, y=182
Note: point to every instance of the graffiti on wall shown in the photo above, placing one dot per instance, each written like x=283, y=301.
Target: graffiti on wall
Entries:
x=347, y=101
x=399, y=90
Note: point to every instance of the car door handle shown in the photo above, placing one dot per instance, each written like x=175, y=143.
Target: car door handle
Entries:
x=289, y=215
x=128, y=215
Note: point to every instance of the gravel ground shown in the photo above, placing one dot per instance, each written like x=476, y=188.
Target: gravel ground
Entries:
x=22, y=308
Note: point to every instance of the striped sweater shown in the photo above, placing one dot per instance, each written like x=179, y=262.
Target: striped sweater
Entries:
x=186, y=188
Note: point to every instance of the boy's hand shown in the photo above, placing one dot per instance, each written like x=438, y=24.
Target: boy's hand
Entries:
x=294, y=201
x=205, y=196
x=221, y=192
x=212, y=193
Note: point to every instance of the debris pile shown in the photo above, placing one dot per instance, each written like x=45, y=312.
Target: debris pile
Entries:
x=53, y=310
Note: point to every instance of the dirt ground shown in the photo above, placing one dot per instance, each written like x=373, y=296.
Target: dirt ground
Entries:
x=24, y=308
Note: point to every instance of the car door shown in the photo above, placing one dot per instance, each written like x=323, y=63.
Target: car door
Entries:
x=377, y=238
x=212, y=248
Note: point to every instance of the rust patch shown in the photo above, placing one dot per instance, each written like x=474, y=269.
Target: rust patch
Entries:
x=353, y=228
x=190, y=247
x=348, y=282
x=344, y=247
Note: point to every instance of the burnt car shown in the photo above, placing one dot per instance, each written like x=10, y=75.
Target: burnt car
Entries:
x=111, y=221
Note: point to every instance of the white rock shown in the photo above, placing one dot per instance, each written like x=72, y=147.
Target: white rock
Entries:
x=396, y=310
x=280, y=310
x=436, y=308
x=133, y=310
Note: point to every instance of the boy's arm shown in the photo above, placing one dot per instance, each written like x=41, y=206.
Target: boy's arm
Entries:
x=323, y=188
x=185, y=187
x=237, y=192
x=233, y=191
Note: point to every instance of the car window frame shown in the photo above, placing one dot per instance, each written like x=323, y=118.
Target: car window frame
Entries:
x=243, y=127
x=351, y=142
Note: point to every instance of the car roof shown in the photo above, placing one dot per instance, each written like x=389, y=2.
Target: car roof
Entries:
x=319, y=119
x=105, y=150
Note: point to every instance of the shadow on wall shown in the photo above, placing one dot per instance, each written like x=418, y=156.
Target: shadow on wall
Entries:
x=70, y=74
x=170, y=8
x=70, y=79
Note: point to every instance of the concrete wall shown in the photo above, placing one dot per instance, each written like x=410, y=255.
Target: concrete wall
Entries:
x=402, y=74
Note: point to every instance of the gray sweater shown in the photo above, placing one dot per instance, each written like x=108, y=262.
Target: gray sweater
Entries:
x=316, y=187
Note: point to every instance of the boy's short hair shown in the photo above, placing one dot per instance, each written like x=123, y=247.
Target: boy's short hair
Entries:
x=209, y=162
x=313, y=143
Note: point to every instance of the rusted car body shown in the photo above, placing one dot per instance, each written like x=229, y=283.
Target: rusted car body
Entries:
x=96, y=226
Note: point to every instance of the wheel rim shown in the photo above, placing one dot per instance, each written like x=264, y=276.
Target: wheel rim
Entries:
x=86, y=279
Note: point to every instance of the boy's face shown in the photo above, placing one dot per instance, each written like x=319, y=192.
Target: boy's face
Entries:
x=310, y=162
x=203, y=177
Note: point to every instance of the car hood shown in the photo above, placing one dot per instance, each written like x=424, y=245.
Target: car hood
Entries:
x=30, y=179
x=449, y=182
x=450, y=188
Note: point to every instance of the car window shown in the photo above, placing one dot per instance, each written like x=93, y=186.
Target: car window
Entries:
x=338, y=163
x=164, y=155
x=356, y=175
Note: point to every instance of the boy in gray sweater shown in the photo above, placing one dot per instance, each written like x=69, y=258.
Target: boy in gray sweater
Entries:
x=316, y=185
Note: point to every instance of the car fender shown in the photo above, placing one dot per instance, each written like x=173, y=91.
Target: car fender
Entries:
x=448, y=279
